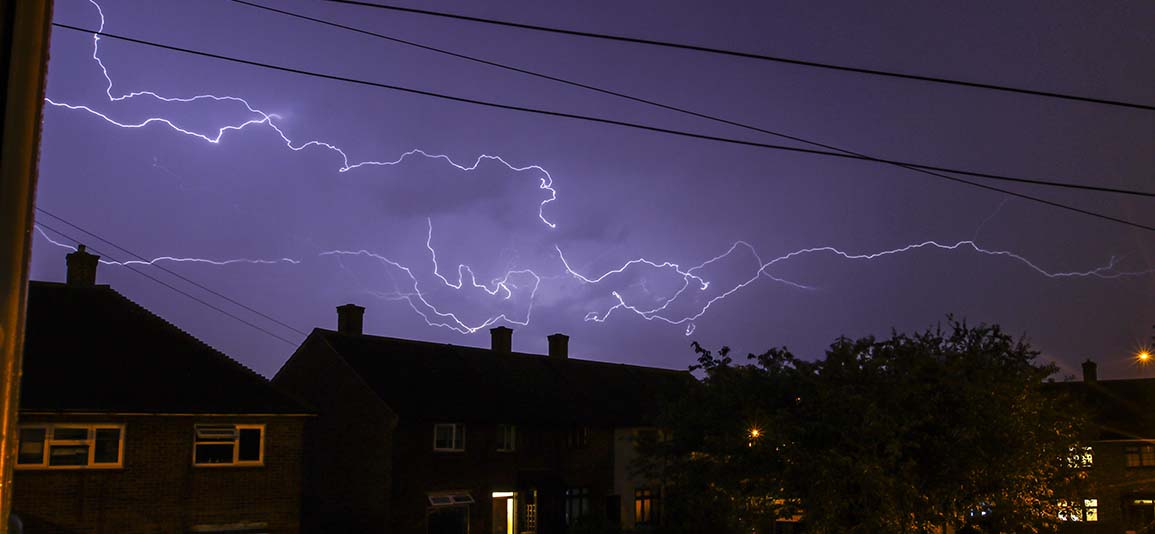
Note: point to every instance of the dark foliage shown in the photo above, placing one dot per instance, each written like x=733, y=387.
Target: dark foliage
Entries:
x=947, y=427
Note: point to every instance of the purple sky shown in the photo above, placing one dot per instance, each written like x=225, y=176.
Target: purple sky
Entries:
x=620, y=194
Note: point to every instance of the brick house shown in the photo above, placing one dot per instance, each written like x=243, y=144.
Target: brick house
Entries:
x=417, y=437
x=1118, y=494
x=128, y=424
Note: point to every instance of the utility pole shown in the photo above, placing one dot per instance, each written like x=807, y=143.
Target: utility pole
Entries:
x=24, y=29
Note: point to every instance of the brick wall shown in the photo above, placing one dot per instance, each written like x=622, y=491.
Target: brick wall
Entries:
x=158, y=489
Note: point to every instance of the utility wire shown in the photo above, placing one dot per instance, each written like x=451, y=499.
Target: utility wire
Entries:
x=909, y=166
x=169, y=271
x=170, y=286
x=750, y=55
x=613, y=122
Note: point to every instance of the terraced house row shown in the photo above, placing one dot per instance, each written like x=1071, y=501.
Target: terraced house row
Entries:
x=128, y=424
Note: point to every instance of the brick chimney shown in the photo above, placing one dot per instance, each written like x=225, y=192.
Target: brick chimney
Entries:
x=82, y=268
x=350, y=319
x=501, y=339
x=1090, y=372
x=558, y=346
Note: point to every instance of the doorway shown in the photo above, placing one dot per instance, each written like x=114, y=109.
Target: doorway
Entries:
x=504, y=512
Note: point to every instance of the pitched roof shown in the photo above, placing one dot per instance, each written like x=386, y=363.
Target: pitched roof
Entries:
x=90, y=349
x=1121, y=409
x=432, y=381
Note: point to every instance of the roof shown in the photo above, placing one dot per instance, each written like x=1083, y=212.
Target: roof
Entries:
x=1121, y=409
x=433, y=381
x=90, y=349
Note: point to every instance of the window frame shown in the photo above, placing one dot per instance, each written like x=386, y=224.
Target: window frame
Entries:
x=577, y=505
x=90, y=442
x=1137, y=451
x=506, y=438
x=457, y=443
x=237, y=462
x=646, y=501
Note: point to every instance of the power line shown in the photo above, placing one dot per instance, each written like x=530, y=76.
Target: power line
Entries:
x=616, y=123
x=925, y=169
x=750, y=55
x=170, y=286
x=169, y=271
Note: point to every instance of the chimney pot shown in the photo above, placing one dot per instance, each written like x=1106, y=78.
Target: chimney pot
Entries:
x=350, y=319
x=82, y=268
x=1090, y=372
x=558, y=346
x=501, y=339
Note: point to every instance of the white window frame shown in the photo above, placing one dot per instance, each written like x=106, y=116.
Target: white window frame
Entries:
x=90, y=442
x=236, y=443
x=457, y=444
x=506, y=438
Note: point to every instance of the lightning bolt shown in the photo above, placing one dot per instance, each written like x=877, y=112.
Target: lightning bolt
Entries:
x=690, y=279
x=268, y=119
x=694, y=284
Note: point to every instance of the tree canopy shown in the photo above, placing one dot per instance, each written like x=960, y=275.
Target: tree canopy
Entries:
x=948, y=428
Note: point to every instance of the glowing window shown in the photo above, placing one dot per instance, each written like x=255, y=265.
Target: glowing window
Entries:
x=1079, y=510
x=449, y=437
x=645, y=507
x=1141, y=456
x=506, y=438
x=70, y=446
x=220, y=445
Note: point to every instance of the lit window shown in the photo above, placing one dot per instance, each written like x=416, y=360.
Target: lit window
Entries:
x=449, y=437
x=1081, y=457
x=1079, y=510
x=506, y=438
x=1142, y=456
x=645, y=507
x=577, y=504
x=70, y=446
x=228, y=445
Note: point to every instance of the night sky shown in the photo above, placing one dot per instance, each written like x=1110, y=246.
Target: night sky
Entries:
x=368, y=235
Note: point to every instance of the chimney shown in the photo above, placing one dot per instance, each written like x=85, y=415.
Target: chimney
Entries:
x=1090, y=372
x=501, y=339
x=350, y=319
x=82, y=268
x=558, y=346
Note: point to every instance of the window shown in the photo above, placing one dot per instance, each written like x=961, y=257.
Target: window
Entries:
x=645, y=507
x=229, y=445
x=577, y=504
x=579, y=437
x=506, y=438
x=449, y=437
x=1079, y=510
x=1081, y=457
x=75, y=446
x=1142, y=456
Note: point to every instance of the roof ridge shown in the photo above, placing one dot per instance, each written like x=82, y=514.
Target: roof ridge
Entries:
x=465, y=349
x=229, y=359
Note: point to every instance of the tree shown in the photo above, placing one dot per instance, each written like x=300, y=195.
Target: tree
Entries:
x=944, y=429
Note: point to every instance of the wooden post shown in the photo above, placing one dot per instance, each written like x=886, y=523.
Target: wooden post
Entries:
x=24, y=29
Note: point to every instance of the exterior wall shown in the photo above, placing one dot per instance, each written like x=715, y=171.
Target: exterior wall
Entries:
x=347, y=446
x=1113, y=483
x=543, y=463
x=625, y=480
x=158, y=489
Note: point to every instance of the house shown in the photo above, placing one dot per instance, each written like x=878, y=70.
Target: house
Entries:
x=1118, y=493
x=418, y=437
x=128, y=424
